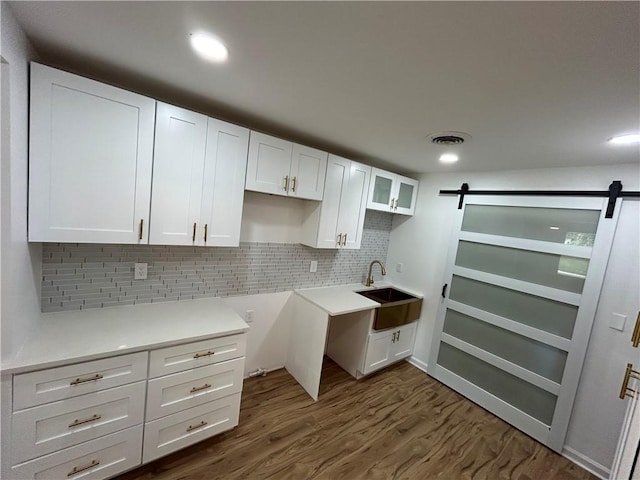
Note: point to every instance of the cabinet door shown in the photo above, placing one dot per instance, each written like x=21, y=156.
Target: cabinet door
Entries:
x=353, y=205
x=381, y=190
x=268, y=164
x=223, y=187
x=337, y=181
x=402, y=345
x=407, y=193
x=90, y=159
x=177, y=176
x=378, y=351
x=308, y=169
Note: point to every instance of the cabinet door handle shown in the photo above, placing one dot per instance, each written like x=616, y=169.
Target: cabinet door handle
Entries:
x=635, y=338
x=140, y=229
x=344, y=240
x=396, y=204
x=393, y=340
x=391, y=204
x=78, y=381
x=285, y=187
x=193, y=237
x=77, y=470
x=625, y=390
x=206, y=228
x=197, y=389
x=86, y=420
x=398, y=337
x=194, y=427
x=293, y=184
x=339, y=239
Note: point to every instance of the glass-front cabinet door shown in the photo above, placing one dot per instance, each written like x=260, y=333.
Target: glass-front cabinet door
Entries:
x=389, y=192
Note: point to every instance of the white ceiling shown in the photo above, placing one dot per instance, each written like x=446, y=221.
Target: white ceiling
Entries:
x=536, y=84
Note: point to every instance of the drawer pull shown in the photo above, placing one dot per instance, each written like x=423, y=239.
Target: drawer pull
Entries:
x=78, y=381
x=77, y=470
x=203, y=387
x=86, y=420
x=195, y=427
x=207, y=354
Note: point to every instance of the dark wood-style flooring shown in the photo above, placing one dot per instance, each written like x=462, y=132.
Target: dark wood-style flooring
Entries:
x=397, y=424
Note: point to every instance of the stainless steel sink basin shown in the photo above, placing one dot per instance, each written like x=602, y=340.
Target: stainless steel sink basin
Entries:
x=396, y=307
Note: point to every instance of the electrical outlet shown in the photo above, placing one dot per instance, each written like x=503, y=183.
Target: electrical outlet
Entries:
x=399, y=267
x=140, y=271
x=314, y=266
x=248, y=316
x=617, y=321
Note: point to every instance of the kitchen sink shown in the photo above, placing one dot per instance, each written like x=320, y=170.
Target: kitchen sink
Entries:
x=396, y=307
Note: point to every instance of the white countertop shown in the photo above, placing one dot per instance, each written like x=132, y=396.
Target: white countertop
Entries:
x=65, y=337
x=344, y=299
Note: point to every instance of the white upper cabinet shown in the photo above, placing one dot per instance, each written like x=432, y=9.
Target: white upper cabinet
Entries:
x=390, y=192
x=223, y=187
x=181, y=138
x=338, y=221
x=90, y=160
x=280, y=167
x=198, y=179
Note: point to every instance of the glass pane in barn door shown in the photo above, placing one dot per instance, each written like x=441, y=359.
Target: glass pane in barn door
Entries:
x=524, y=276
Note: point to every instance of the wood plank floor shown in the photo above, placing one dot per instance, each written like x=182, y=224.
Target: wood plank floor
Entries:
x=397, y=424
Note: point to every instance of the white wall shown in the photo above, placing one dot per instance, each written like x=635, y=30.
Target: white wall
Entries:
x=20, y=262
x=421, y=244
x=271, y=218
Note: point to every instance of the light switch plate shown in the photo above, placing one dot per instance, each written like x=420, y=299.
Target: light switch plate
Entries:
x=140, y=271
x=399, y=267
x=617, y=321
x=314, y=266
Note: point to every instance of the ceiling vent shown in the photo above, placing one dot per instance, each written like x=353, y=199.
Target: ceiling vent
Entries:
x=449, y=138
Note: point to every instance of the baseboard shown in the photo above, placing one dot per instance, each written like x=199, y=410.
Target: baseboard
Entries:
x=585, y=462
x=417, y=363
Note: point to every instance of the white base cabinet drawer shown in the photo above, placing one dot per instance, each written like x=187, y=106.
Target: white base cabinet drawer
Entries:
x=96, y=459
x=172, y=393
x=47, y=428
x=197, y=354
x=187, y=427
x=44, y=386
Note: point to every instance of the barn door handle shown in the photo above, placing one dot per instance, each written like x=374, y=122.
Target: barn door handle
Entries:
x=444, y=290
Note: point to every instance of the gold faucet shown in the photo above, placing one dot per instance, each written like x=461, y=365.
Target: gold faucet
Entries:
x=370, y=276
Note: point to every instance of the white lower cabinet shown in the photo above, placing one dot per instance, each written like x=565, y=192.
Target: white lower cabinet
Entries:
x=100, y=458
x=388, y=346
x=90, y=420
x=190, y=426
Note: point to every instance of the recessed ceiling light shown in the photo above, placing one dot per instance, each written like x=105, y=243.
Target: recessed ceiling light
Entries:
x=625, y=139
x=209, y=47
x=448, y=158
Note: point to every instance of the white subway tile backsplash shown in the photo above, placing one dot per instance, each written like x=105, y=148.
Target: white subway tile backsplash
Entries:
x=81, y=276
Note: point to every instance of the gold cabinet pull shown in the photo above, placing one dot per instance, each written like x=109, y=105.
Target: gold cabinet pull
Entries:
x=398, y=337
x=395, y=207
x=197, y=389
x=344, y=240
x=293, y=184
x=339, y=239
x=391, y=205
x=208, y=353
x=77, y=470
x=206, y=228
x=86, y=420
x=393, y=340
x=140, y=229
x=193, y=237
x=285, y=187
x=635, y=338
x=625, y=390
x=78, y=381
x=194, y=427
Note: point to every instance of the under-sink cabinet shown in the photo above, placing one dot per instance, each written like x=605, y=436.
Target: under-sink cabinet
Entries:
x=280, y=167
x=198, y=179
x=388, y=346
x=99, y=418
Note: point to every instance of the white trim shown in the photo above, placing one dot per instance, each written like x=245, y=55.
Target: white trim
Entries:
x=531, y=288
x=511, y=325
x=510, y=414
x=578, y=203
x=527, y=244
x=585, y=462
x=503, y=364
x=419, y=364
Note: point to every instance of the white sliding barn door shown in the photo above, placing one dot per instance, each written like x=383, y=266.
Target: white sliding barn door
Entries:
x=523, y=279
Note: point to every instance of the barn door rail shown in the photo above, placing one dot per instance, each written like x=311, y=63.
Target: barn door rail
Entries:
x=614, y=192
